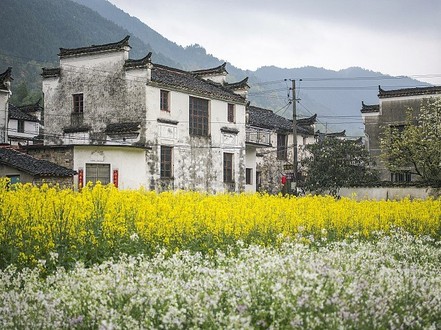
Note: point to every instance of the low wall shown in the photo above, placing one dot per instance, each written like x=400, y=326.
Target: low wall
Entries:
x=387, y=193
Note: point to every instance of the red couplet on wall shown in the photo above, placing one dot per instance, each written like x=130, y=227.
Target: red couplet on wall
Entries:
x=283, y=179
x=115, y=178
x=80, y=178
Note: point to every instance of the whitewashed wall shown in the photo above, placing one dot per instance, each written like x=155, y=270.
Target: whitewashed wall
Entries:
x=129, y=161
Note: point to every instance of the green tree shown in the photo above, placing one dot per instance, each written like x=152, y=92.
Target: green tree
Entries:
x=333, y=163
x=417, y=146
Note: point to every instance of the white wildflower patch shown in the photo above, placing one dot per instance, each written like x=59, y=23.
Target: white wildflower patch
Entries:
x=391, y=282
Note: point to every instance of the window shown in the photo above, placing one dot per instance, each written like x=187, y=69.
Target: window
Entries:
x=228, y=167
x=230, y=115
x=164, y=100
x=98, y=172
x=198, y=116
x=13, y=179
x=400, y=177
x=78, y=105
x=249, y=176
x=76, y=118
x=20, y=126
x=281, y=146
x=166, y=162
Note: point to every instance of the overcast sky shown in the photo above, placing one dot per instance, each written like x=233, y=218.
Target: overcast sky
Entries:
x=396, y=37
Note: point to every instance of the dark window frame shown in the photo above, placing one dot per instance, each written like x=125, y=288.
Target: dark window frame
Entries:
x=282, y=146
x=231, y=113
x=401, y=177
x=93, y=175
x=228, y=167
x=78, y=103
x=199, y=116
x=249, y=176
x=164, y=100
x=166, y=162
x=20, y=126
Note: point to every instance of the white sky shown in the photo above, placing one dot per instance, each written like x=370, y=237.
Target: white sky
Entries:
x=396, y=37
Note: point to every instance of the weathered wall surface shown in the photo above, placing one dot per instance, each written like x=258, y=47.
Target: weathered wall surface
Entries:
x=111, y=95
x=389, y=193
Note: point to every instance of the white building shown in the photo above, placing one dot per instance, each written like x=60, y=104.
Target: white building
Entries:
x=5, y=94
x=24, y=124
x=273, y=135
x=136, y=123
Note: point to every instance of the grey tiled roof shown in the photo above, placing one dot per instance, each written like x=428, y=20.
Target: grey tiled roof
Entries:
x=365, y=108
x=65, y=52
x=127, y=127
x=409, y=91
x=265, y=118
x=238, y=85
x=24, y=112
x=141, y=63
x=50, y=72
x=212, y=71
x=5, y=76
x=191, y=83
x=31, y=165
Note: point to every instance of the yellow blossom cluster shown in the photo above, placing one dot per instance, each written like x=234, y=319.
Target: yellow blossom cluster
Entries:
x=102, y=221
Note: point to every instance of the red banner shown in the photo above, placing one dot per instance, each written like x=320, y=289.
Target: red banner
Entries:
x=115, y=178
x=80, y=178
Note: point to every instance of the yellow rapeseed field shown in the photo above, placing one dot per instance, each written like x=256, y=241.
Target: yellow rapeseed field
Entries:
x=102, y=221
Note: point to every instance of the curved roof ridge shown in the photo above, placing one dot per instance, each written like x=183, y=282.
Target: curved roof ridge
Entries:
x=308, y=120
x=369, y=107
x=426, y=90
x=139, y=63
x=119, y=45
x=238, y=85
x=211, y=71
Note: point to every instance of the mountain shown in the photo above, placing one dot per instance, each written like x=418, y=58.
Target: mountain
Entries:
x=32, y=31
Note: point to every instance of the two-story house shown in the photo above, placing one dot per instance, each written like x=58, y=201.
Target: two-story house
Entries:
x=274, y=133
x=137, y=123
x=19, y=125
x=24, y=124
x=391, y=112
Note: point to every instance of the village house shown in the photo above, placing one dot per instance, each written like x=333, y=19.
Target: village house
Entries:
x=274, y=135
x=137, y=123
x=391, y=112
x=23, y=168
x=19, y=125
x=24, y=124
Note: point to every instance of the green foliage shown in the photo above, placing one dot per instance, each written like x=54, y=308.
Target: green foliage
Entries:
x=417, y=147
x=334, y=163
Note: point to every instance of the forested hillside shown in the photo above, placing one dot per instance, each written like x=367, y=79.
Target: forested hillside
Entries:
x=32, y=31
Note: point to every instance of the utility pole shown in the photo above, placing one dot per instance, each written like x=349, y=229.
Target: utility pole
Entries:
x=294, y=142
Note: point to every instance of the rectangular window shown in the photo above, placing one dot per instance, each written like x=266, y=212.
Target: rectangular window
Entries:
x=20, y=126
x=282, y=146
x=76, y=117
x=166, y=162
x=199, y=121
x=164, y=100
x=13, y=179
x=230, y=115
x=98, y=172
x=78, y=105
x=228, y=167
x=401, y=177
x=249, y=176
